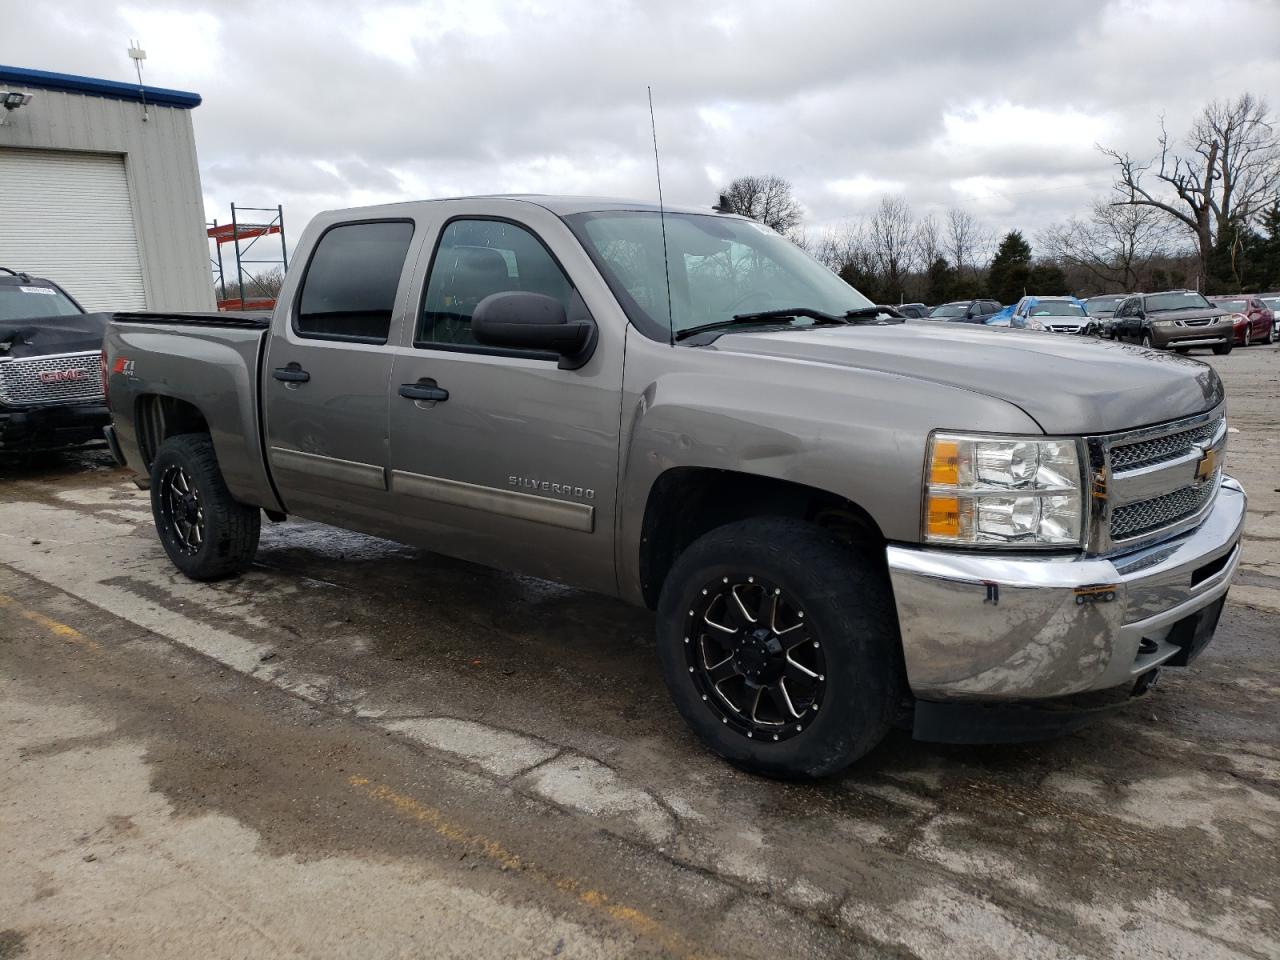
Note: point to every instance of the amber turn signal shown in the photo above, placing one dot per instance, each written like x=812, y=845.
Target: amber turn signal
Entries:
x=944, y=469
x=944, y=516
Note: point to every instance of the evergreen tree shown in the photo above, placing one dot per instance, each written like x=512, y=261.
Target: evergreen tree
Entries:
x=1047, y=279
x=940, y=281
x=1010, y=273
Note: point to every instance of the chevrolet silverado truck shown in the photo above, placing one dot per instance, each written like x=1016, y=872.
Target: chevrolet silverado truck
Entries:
x=50, y=386
x=842, y=520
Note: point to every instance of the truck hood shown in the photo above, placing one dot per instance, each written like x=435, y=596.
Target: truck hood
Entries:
x=1069, y=385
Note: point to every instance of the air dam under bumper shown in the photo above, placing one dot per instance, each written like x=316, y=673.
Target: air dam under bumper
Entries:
x=997, y=628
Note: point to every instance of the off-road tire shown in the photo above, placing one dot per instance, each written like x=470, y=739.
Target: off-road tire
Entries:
x=1222, y=349
x=230, y=529
x=848, y=602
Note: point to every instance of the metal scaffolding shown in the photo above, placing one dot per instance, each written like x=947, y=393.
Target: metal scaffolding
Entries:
x=260, y=296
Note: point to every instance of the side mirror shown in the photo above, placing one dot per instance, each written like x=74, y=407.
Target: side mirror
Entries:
x=519, y=320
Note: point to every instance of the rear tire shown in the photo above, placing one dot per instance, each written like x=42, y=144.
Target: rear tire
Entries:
x=816, y=704
x=1222, y=349
x=206, y=533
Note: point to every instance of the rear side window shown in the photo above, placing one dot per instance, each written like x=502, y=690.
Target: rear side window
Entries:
x=349, y=292
x=477, y=258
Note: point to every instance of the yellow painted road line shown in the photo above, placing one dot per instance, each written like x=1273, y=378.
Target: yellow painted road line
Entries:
x=637, y=921
x=59, y=630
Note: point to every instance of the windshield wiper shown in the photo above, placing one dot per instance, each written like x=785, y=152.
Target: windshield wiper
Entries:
x=818, y=316
x=787, y=313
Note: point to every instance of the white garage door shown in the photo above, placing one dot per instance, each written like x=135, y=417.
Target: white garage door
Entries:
x=66, y=216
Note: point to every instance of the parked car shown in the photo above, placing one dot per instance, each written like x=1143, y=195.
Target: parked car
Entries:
x=913, y=311
x=965, y=311
x=50, y=358
x=1272, y=300
x=842, y=521
x=1176, y=319
x=1056, y=314
x=1254, y=322
x=1103, y=308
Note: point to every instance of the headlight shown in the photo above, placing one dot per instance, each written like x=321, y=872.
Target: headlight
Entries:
x=988, y=491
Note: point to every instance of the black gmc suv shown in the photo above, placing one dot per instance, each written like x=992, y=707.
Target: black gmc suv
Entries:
x=51, y=393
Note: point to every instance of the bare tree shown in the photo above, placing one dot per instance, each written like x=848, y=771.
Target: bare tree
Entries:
x=891, y=237
x=768, y=199
x=963, y=237
x=1227, y=172
x=928, y=241
x=1114, y=248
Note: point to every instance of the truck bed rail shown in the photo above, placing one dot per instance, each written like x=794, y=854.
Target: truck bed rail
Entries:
x=251, y=320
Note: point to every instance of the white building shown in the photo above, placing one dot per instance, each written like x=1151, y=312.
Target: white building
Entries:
x=100, y=192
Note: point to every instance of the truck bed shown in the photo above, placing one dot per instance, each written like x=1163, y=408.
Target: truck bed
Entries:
x=253, y=320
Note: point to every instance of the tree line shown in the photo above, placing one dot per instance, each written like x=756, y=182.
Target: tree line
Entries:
x=1203, y=212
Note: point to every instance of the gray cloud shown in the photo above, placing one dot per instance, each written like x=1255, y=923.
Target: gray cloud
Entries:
x=991, y=104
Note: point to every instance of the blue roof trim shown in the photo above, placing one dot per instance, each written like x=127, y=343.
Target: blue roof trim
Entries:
x=113, y=89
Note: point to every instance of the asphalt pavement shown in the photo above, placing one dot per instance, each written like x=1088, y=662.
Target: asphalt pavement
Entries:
x=361, y=748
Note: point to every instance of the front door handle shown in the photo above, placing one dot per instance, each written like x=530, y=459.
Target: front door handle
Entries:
x=293, y=373
x=424, y=389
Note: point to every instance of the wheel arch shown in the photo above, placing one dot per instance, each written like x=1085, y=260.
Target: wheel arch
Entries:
x=686, y=502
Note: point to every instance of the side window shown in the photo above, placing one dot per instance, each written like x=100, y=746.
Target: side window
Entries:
x=476, y=258
x=349, y=291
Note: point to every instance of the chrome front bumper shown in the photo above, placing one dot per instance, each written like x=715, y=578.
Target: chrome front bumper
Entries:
x=986, y=627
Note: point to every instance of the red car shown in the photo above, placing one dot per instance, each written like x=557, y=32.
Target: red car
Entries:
x=1255, y=321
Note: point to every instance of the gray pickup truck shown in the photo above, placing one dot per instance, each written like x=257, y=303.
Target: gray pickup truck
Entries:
x=844, y=521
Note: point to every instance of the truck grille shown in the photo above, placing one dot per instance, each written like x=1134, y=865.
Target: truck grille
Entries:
x=1135, y=519
x=63, y=378
x=1153, y=480
x=1145, y=453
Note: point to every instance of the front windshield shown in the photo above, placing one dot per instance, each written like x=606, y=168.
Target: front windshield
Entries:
x=1057, y=308
x=32, y=302
x=1185, y=300
x=1238, y=306
x=950, y=310
x=1103, y=304
x=720, y=267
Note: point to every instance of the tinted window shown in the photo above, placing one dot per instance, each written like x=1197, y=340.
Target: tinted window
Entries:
x=349, y=291
x=474, y=259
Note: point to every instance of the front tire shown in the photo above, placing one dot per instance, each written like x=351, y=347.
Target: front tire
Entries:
x=1222, y=349
x=1146, y=340
x=206, y=533
x=780, y=647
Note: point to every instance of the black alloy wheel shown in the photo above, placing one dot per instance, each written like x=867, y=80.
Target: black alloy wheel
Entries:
x=755, y=661
x=206, y=532
x=181, y=509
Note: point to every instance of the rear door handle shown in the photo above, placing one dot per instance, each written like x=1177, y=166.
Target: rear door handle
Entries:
x=293, y=373
x=424, y=389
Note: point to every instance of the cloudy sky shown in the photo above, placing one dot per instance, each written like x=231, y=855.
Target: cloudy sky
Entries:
x=986, y=104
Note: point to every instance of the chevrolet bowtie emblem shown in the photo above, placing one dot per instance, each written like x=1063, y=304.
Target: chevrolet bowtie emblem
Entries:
x=1207, y=464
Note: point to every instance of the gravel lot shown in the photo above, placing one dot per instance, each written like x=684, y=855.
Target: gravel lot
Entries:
x=364, y=748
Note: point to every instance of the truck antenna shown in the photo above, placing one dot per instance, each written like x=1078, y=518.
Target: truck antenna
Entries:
x=662, y=219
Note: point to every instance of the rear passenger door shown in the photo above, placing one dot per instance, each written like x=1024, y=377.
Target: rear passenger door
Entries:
x=328, y=364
